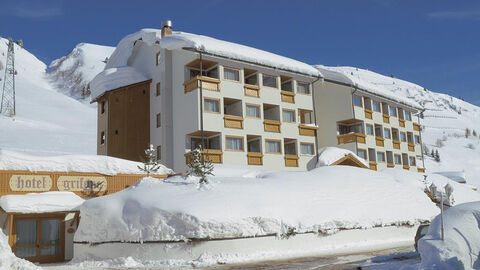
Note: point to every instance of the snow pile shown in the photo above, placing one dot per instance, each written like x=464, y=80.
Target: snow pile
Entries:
x=46, y=202
x=106, y=165
x=47, y=121
x=323, y=200
x=113, y=78
x=72, y=73
x=461, y=248
x=8, y=261
x=329, y=155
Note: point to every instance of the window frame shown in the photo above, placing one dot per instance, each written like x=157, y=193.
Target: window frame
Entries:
x=234, y=137
x=273, y=76
x=379, y=106
x=292, y=111
x=405, y=136
x=253, y=105
x=395, y=160
x=390, y=111
x=362, y=150
x=276, y=141
x=312, y=145
x=212, y=99
x=385, y=133
x=158, y=119
x=416, y=139
x=361, y=101
x=409, y=115
x=384, y=157
x=410, y=158
x=157, y=89
x=232, y=68
x=159, y=152
x=308, y=88
x=366, y=129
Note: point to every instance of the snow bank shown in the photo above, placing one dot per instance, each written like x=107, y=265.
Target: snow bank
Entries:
x=329, y=155
x=8, y=261
x=10, y=160
x=322, y=200
x=113, y=78
x=461, y=247
x=53, y=201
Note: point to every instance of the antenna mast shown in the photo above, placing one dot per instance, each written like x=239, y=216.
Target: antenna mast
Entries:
x=7, y=107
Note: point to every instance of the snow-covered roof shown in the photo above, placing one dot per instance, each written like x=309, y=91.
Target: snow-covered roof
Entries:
x=363, y=84
x=47, y=202
x=10, y=160
x=329, y=155
x=113, y=78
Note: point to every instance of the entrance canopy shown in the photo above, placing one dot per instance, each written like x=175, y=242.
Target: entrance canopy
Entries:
x=47, y=202
x=330, y=156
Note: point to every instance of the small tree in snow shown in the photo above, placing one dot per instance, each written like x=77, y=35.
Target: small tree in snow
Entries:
x=437, y=156
x=474, y=133
x=200, y=166
x=149, y=160
x=467, y=133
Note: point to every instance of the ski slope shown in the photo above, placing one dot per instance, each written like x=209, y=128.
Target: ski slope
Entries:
x=47, y=122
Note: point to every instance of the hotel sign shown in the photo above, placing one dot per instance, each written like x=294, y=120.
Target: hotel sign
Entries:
x=82, y=183
x=30, y=183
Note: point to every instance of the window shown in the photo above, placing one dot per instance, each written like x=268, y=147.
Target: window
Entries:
x=234, y=143
x=102, y=107
x=157, y=59
x=403, y=137
x=386, y=133
x=303, y=88
x=270, y=81
x=211, y=105
x=380, y=157
x=288, y=115
x=357, y=101
x=393, y=111
x=159, y=120
x=412, y=161
x=408, y=116
x=362, y=153
x=306, y=149
x=231, y=74
x=376, y=106
x=253, y=111
x=157, y=91
x=102, y=137
x=159, y=152
x=417, y=139
x=290, y=148
x=369, y=129
x=398, y=159
x=272, y=147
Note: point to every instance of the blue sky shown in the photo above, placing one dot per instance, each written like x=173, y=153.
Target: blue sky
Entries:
x=433, y=43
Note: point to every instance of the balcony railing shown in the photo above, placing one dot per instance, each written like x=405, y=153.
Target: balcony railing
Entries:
x=233, y=121
x=272, y=125
x=396, y=144
x=351, y=137
x=416, y=127
x=207, y=83
x=368, y=114
x=386, y=118
x=411, y=147
x=306, y=130
x=406, y=167
x=401, y=122
x=255, y=158
x=380, y=141
x=390, y=165
x=372, y=165
x=421, y=170
x=291, y=161
x=288, y=96
x=252, y=90
x=214, y=155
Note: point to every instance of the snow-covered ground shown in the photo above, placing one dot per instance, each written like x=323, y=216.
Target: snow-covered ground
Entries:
x=47, y=122
x=72, y=73
x=8, y=261
x=445, y=119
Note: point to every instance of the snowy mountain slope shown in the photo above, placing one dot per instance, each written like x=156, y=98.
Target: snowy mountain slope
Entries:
x=71, y=73
x=445, y=118
x=47, y=122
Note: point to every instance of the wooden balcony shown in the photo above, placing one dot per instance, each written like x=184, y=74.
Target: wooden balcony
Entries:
x=252, y=90
x=207, y=83
x=401, y=122
x=373, y=165
x=351, y=137
x=233, y=121
x=214, y=155
x=416, y=126
x=386, y=118
x=421, y=170
x=379, y=141
x=305, y=130
x=368, y=114
x=288, y=96
x=406, y=167
x=291, y=161
x=272, y=125
x=411, y=147
x=396, y=144
x=255, y=158
x=390, y=165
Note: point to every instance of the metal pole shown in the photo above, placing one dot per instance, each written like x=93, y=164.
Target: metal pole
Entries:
x=441, y=216
x=201, y=102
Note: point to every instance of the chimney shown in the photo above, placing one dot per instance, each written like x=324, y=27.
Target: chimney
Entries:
x=166, y=28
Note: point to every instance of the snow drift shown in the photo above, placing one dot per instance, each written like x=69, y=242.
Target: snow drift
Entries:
x=8, y=261
x=323, y=200
x=461, y=248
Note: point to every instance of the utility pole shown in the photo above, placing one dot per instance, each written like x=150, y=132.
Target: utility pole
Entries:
x=7, y=107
